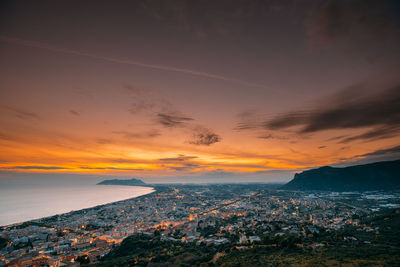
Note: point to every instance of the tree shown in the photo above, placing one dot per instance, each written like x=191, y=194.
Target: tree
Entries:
x=84, y=259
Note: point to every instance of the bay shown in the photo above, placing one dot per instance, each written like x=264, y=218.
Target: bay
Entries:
x=21, y=201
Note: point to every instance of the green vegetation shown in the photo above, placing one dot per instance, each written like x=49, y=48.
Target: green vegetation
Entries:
x=3, y=242
x=84, y=259
x=379, y=246
x=140, y=250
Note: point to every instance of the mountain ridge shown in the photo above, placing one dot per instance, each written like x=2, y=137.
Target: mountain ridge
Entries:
x=383, y=175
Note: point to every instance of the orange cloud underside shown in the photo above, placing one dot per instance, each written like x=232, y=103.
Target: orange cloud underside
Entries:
x=158, y=160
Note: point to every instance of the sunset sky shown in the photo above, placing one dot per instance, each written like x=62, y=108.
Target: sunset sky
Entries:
x=213, y=90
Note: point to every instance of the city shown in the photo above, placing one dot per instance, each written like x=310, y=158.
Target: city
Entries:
x=232, y=216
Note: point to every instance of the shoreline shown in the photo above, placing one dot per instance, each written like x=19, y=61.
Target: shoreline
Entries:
x=72, y=212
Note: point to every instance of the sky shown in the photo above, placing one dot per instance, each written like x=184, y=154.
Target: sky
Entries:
x=188, y=91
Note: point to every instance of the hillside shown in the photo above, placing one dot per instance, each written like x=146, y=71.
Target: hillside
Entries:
x=374, y=176
x=272, y=250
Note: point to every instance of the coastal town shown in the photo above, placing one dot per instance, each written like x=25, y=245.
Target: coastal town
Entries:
x=202, y=215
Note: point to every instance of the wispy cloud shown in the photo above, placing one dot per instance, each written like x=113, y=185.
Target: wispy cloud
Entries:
x=7, y=137
x=110, y=168
x=271, y=136
x=54, y=48
x=179, y=158
x=180, y=163
x=374, y=134
x=352, y=108
x=103, y=141
x=34, y=167
x=184, y=167
x=381, y=110
x=383, y=152
x=172, y=119
x=21, y=113
x=138, y=135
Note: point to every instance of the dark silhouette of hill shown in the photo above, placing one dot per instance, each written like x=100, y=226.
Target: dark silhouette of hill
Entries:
x=131, y=182
x=374, y=176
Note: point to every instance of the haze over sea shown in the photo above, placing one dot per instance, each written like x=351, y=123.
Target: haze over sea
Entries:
x=28, y=197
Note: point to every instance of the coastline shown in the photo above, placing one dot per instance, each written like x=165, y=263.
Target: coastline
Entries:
x=44, y=219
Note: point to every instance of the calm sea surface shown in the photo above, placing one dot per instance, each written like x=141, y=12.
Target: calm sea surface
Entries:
x=21, y=201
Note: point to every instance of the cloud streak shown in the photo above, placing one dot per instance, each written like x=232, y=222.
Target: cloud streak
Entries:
x=37, y=167
x=172, y=120
x=379, y=111
x=109, y=168
x=375, y=109
x=54, y=48
x=180, y=163
x=374, y=134
x=22, y=114
x=143, y=135
x=383, y=152
x=179, y=158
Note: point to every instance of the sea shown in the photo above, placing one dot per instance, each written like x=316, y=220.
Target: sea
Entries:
x=25, y=198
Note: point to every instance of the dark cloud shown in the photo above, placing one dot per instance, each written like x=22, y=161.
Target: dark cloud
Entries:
x=337, y=138
x=21, y=114
x=7, y=137
x=271, y=136
x=374, y=134
x=322, y=147
x=380, y=111
x=179, y=168
x=171, y=119
x=103, y=141
x=120, y=160
x=167, y=116
x=37, y=167
x=383, y=152
x=109, y=168
x=248, y=120
x=74, y=112
x=143, y=135
x=338, y=20
x=185, y=167
x=386, y=154
x=180, y=163
x=205, y=137
x=246, y=126
x=179, y=158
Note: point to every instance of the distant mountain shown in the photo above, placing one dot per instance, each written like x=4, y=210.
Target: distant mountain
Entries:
x=131, y=182
x=375, y=176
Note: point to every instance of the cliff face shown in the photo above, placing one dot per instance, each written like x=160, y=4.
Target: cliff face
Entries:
x=131, y=182
x=374, y=176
